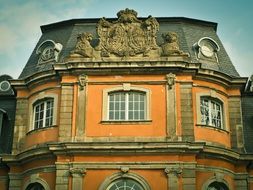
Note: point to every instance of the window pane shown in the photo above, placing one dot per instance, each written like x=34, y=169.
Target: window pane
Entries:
x=111, y=106
x=142, y=114
x=211, y=112
x=43, y=115
x=116, y=115
x=111, y=116
x=117, y=106
x=204, y=109
x=131, y=102
x=130, y=115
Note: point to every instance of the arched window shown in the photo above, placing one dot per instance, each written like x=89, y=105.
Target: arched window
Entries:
x=127, y=181
x=48, y=51
x=125, y=184
x=126, y=103
x=35, y=186
x=206, y=49
x=211, y=112
x=217, y=186
x=43, y=113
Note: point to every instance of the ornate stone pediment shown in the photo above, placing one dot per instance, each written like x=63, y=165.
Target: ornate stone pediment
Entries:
x=127, y=36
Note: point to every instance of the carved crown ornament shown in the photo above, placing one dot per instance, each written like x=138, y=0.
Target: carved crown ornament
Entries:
x=128, y=36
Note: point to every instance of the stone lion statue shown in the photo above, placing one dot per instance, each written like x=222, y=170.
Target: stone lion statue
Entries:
x=83, y=46
x=170, y=45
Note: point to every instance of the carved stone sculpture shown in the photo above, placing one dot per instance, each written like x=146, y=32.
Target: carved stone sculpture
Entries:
x=83, y=46
x=127, y=36
x=170, y=45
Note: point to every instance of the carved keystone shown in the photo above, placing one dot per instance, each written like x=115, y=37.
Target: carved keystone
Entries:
x=170, y=79
x=82, y=80
x=175, y=171
x=77, y=172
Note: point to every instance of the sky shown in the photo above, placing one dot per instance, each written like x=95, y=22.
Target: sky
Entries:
x=20, y=22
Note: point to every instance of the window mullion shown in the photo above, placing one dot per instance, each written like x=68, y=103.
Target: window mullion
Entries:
x=126, y=105
x=44, y=114
x=210, y=112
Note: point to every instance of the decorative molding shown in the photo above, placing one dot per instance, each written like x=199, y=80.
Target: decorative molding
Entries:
x=175, y=171
x=219, y=176
x=170, y=79
x=124, y=169
x=82, y=81
x=77, y=172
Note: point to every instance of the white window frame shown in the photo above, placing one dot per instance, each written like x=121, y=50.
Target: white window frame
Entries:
x=44, y=111
x=39, y=98
x=54, y=48
x=210, y=102
x=126, y=88
x=212, y=96
x=126, y=110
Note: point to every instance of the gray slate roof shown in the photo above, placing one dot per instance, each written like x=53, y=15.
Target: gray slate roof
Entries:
x=189, y=32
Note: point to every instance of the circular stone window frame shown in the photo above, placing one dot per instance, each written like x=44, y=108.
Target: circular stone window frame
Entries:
x=203, y=46
x=117, y=176
x=214, y=179
x=36, y=180
x=7, y=89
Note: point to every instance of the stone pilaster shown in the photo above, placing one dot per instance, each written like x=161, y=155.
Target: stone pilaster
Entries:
x=171, y=107
x=21, y=123
x=189, y=179
x=187, y=112
x=66, y=109
x=173, y=175
x=81, y=111
x=235, y=120
x=77, y=177
x=15, y=181
x=241, y=182
x=62, y=176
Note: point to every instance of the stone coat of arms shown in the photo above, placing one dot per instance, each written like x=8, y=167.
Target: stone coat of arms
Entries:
x=127, y=36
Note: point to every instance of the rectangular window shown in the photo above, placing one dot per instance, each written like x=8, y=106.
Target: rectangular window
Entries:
x=211, y=112
x=127, y=106
x=43, y=113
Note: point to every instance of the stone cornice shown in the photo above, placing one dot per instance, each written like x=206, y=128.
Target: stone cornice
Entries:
x=199, y=149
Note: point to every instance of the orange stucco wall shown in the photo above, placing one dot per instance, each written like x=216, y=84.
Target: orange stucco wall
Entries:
x=155, y=128
x=155, y=178
x=41, y=136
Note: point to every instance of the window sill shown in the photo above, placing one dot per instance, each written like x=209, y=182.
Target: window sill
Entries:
x=213, y=128
x=132, y=122
x=40, y=129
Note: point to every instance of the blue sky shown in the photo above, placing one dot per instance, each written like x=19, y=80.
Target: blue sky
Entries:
x=20, y=22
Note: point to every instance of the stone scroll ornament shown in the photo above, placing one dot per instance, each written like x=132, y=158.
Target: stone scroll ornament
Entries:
x=127, y=36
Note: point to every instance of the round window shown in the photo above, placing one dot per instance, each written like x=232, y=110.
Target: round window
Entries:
x=207, y=50
x=125, y=184
x=48, y=53
x=5, y=86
